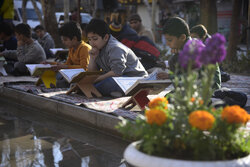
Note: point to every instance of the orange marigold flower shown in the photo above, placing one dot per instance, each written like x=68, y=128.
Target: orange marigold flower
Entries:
x=201, y=102
x=156, y=102
x=201, y=119
x=192, y=99
x=155, y=116
x=235, y=114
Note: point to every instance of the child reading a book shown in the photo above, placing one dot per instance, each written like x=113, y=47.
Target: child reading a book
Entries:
x=110, y=56
x=176, y=32
x=28, y=52
x=78, y=56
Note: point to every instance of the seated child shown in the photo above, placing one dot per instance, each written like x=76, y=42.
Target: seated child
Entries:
x=7, y=36
x=78, y=57
x=200, y=32
x=176, y=32
x=110, y=56
x=28, y=52
x=45, y=40
x=143, y=47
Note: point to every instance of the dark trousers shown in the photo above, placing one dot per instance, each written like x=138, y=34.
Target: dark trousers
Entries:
x=16, y=68
x=108, y=85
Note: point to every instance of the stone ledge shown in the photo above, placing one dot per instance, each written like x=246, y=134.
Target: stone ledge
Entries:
x=95, y=119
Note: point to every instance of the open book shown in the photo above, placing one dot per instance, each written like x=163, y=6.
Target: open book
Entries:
x=2, y=70
x=38, y=69
x=75, y=75
x=131, y=85
x=58, y=50
x=166, y=63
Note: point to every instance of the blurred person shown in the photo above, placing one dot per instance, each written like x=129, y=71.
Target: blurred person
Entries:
x=135, y=22
x=200, y=32
x=7, y=36
x=142, y=46
x=177, y=33
x=73, y=16
x=45, y=40
x=6, y=10
x=28, y=52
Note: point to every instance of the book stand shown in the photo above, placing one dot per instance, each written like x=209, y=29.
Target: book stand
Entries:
x=139, y=98
x=86, y=86
x=48, y=77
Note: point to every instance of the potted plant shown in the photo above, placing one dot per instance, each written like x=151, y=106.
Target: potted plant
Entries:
x=189, y=130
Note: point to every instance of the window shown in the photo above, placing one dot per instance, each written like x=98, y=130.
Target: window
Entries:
x=30, y=13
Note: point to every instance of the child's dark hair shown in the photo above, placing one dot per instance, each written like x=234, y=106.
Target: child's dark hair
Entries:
x=98, y=26
x=83, y=26
x=39, y=27
x=200, y=30
x=23, y=29
x=7, y=28
x=71, y=29
x=176, y=26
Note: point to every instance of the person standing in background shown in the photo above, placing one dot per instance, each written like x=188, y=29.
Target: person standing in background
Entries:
x=6, y=10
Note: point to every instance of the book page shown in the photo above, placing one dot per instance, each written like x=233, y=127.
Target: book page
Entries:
x=54, y=50
x=147, y=82
x=2, y=69
x=69, y=74
x=33, y=67
x=126, y=82
x=166, y=63
x=155, y=86
x=152, y=76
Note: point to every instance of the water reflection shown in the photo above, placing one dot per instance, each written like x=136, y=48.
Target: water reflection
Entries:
x=25, y=143
x=5, y=151
x=58, y=156
x=85, y=161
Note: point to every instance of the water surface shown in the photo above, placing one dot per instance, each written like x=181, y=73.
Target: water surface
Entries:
x=32, y=140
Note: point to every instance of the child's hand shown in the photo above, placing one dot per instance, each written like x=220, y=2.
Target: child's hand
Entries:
x=175, y=51
x=162, y=75
x=94, y=52
x=20, y=43
x=98, y=79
